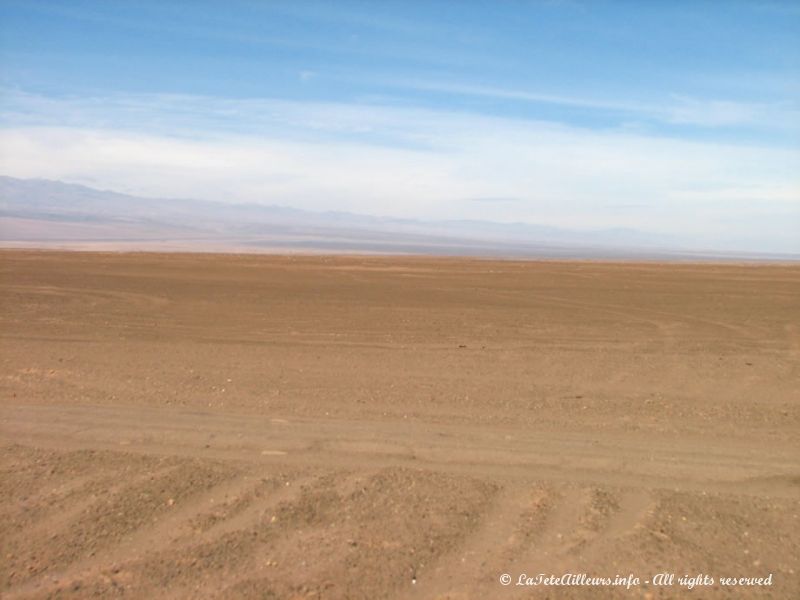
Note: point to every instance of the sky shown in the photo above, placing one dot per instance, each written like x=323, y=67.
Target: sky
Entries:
x=671, y=117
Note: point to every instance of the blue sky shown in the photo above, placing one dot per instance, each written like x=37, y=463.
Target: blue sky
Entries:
x=670, y=117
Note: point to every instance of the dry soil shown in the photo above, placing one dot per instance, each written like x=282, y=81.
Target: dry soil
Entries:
x=223, y=426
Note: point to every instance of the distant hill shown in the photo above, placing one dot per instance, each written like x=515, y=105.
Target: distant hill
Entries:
x=45, y=213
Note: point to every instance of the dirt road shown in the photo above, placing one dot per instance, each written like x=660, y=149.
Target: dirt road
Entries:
x=187, y=426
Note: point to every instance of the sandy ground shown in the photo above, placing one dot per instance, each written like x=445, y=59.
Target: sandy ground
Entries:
x=192, y=426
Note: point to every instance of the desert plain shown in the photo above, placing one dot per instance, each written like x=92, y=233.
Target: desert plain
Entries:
x=263, y=426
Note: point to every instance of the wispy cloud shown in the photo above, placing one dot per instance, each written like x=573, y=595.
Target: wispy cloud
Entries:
x=496, y=200
x=259, y=25
x=675, y=108
x=515, y=94
x=722, y=113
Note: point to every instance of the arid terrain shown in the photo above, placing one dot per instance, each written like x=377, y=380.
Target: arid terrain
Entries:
x=233, y=426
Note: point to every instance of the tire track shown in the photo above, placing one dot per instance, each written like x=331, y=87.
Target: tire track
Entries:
x=469, y=571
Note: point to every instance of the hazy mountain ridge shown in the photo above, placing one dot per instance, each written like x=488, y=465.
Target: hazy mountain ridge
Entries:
x=46, y=211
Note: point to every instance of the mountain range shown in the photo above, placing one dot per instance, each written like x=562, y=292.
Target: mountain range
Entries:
x=55, y=214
